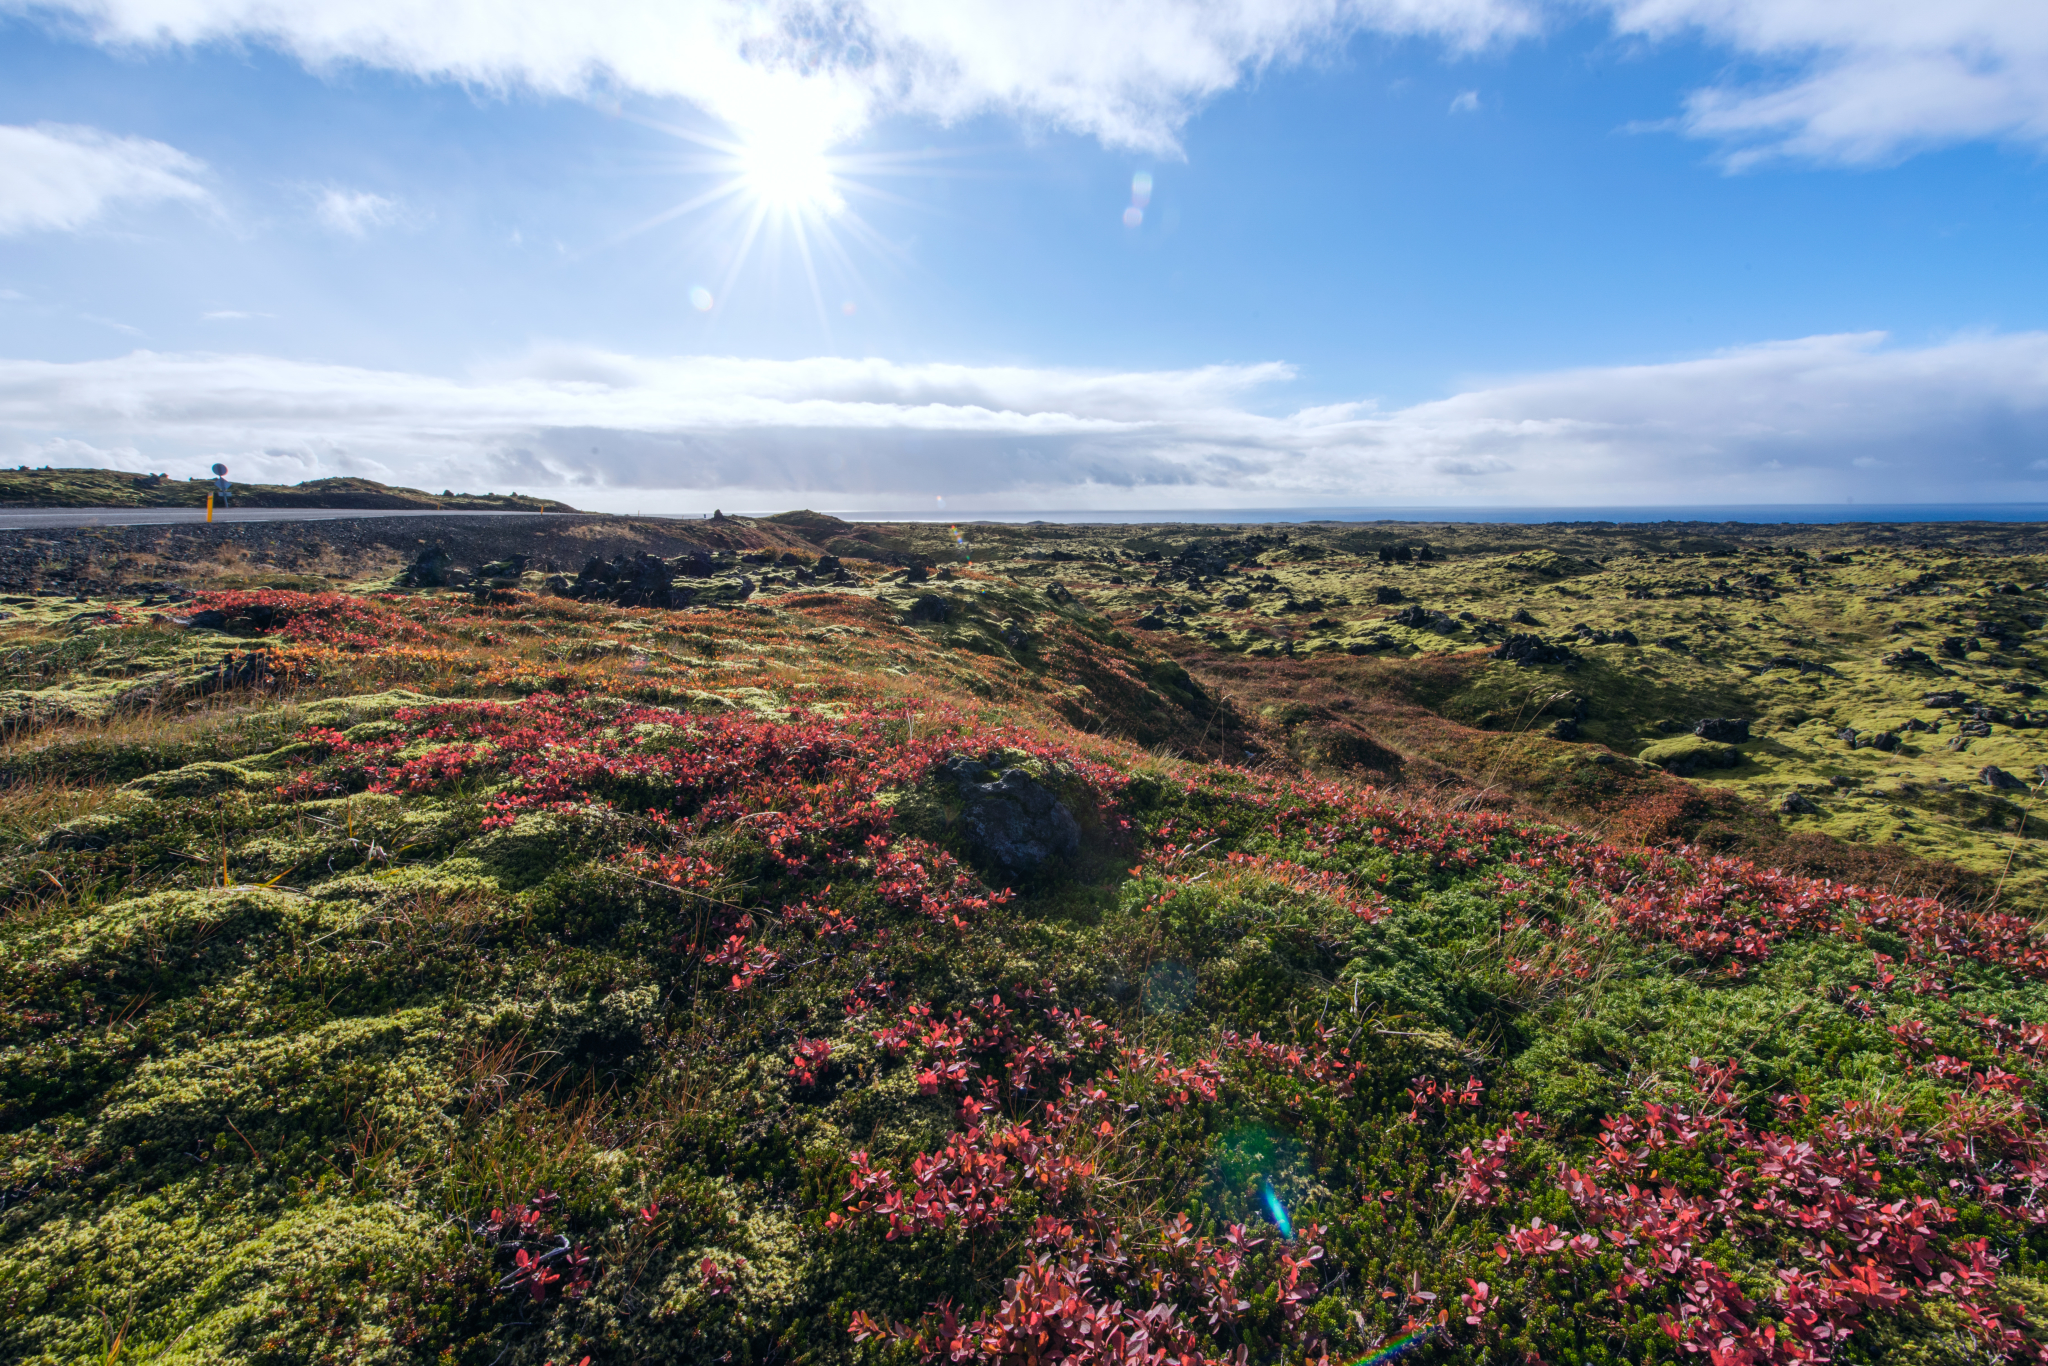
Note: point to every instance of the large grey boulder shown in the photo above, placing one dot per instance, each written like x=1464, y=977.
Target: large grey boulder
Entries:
x=1011, y=819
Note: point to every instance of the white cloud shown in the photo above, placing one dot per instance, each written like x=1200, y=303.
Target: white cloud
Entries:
x=67, y=452
x=354, y=212
x=1816, y=419
x=1467, y=103
x=1128, y=73
x=1846, y=80
x=62, y=177
x=1864, y=80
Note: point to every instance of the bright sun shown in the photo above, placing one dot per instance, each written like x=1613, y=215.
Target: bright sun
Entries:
x=774, y=191
x=788, y=170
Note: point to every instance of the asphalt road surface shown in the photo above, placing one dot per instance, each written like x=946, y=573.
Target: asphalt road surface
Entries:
x=34, y=519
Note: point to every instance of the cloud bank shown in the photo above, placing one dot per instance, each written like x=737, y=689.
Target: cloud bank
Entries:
x=62, y=177
x=1813, y=420
x=1848, y=80
x=1863, y=80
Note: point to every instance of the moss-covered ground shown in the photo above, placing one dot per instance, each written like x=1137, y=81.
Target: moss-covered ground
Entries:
x=499, y=978
x=1926, y=649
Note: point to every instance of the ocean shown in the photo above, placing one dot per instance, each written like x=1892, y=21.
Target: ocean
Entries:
x=1823, y=514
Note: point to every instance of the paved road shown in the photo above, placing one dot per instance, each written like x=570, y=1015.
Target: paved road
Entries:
x=34, y=519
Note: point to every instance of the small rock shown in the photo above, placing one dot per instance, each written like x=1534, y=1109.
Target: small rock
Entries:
x=1798, y=804
x=1059, y=593
x=1993, y=776
x=1011, y=819
x=1386, y=594
x=1946, y=699
x=1524, y=617
x=1728, y=730
x=1236, y=602
x=1528, y=651
x=928, y=608
x=431, y=568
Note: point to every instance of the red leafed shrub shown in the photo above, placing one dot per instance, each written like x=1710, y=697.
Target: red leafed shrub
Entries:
x=812, y=1056
x=1809, y=1206
x=334, y=619
x=544, y=1263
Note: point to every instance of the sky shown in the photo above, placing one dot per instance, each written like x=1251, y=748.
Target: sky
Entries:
x=965, y=256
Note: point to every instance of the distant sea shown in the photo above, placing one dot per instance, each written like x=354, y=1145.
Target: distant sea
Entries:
x=1810, y=513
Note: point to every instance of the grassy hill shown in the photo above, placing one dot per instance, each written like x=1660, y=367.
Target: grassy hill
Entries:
x=62, y=488
x=876, y=965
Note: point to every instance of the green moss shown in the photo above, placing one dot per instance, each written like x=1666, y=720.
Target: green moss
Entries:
x=1687, y=753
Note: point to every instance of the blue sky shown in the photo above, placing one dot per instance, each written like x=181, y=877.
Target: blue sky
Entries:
x=1474, y=251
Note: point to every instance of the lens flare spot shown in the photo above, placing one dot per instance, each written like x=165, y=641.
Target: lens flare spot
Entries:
x=1141, y=189
x=848, y=308
x=700, y=298
x=1278, y=1211
x=1133, y=216
x=1399, y=1348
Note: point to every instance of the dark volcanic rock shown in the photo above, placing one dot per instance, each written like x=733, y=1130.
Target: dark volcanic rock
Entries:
x=1528, y=651
x=1011, y=819
x=1798, y=804
x=1386, y=594
x=1996, y=777
x=1728, y=730
x=433, y=567
x=929, y=607
x=1422, y=618
x=1524, y=617
x=1804, y=666
x=1947, y=699
x=1907, y=659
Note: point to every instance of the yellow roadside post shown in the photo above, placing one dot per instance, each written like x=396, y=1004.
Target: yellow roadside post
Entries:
x=209, y=507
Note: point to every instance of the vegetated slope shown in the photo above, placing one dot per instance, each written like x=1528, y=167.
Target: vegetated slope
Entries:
x=826, y=978
x=87, y=488
x=1886, y=688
